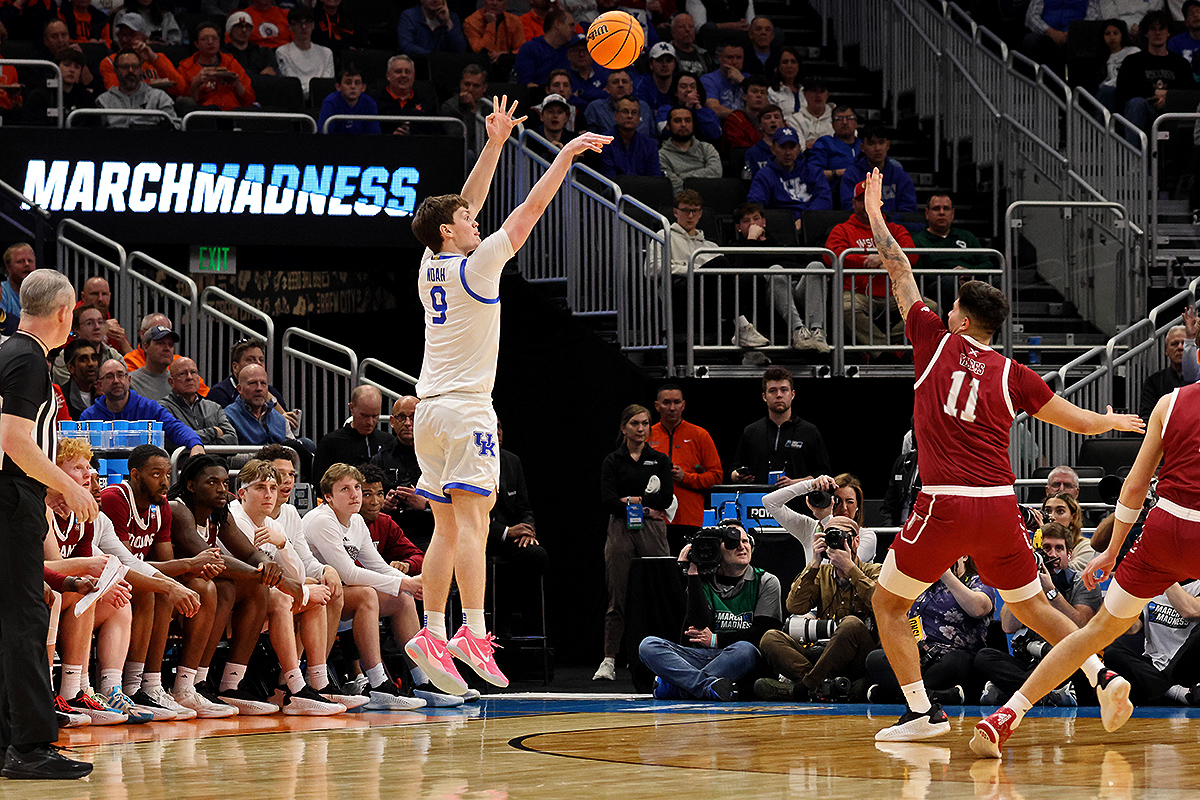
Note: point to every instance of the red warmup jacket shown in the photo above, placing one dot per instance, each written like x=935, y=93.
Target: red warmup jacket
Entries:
x=393, y=545
x=692, y=450
x=739, y=131
x=856, y=233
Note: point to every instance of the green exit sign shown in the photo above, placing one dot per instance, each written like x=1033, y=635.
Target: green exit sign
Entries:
x=214, y=260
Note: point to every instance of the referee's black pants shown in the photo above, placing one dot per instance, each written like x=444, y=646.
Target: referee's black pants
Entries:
x=26, y=698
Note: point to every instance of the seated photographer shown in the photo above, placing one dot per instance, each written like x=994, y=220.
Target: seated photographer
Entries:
x=1066, y=592
x=819, y=495
x=730, y=605
x=1166, y=667
x=950, y=620
x=833, y=594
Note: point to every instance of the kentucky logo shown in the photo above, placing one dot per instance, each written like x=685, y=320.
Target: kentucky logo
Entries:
x=486, y=444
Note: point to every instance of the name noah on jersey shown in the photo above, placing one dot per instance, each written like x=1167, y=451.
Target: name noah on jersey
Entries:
x=234, y=189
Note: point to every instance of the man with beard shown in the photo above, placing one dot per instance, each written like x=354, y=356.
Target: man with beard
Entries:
x=132, y=93
x=683, y=156
x=80, y=356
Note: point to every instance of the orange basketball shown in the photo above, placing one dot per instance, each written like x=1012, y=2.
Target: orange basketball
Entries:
x=615, y=40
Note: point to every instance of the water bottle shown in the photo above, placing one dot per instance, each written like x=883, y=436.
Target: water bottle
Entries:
x=633, y=516
x=1035, y=356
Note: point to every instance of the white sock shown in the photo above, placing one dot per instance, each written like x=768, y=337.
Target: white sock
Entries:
x=1091, y=668
x=418, y=676
x=473, y=619
x=109, y=679
x=377, y=675
x=435, y=623
x=232, y=677
x=185, y=679
x=318, y=676
x=133, y=677
x=915, y=696
x=294, y=680
x=201, y=674
x=1018, y=705
x=72, y=680
x=152, y=680
x=1179, y=694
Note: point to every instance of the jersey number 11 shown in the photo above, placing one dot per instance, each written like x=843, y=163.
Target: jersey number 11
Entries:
x=951, y=405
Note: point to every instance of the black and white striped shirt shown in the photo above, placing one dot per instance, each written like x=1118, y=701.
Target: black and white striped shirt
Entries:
x=26, y=392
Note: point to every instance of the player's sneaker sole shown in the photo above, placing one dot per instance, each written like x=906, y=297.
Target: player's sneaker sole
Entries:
x=437, y=699
x=383, y=701
x=204, y=708
x=478, y=654
x=158, y=698
x=308, y=703
x=1113, y=693
x=431, y=656
x=350, y=701
x=916, y=727
x=95, y=712
x=246, y=704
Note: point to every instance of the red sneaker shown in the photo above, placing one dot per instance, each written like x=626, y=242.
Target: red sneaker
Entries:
x=435, y=661
x=992, y=732
x=1113, y=693
x=478, y=654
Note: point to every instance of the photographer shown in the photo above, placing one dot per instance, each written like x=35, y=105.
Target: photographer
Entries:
x=730, y=605
x=821, y=495
x=1066, y=592
x=836, y=587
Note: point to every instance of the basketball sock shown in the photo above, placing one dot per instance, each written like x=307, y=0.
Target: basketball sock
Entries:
x=201, y=674
x=1018, y=705
x=185, y=679
x=109, y=679
x=133, y=677
x=473, y=619
x=72, y=680
x=1179, y=694
x=318, y=676
x=294, y=680
x=152, y=680
x=1091, y=668
x=915, y=696
x=377, y=675
x=435, y=623
x=419, y=678
x=232, y=677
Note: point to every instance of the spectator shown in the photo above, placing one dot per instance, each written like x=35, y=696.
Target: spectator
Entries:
x=815, y=118
x=1165, y=380
x=940, y=232
x=335, y=29
x=270, y=24
x=87, y=325
x=1048, y=22
x=19, y=261
x=115, y=400
x=255, y=59
x=631, y=152
x=1185, y=44
x=472, y=86
x=786, y=90
x=1191, y=333
x=695, y=463
x=300, y=58
x=789, y=182
x=512, y=538
x=396, y=548
x=727, y=612
x=834, y=154
x=560, y=84
x=555, y=111
x=764, y=55
x=1064, y=509
x=1165, y=666
x=686, y=236
x=899, y=194
x=1147, y=77
x=135, y=358
x=493, y=30
x=655, y=88
x=723, y=16
x=151, y=380
x=131, y=92
x=839, y=590
x=588, y=79
x=85, y=22
x=635, y=490
x=157, y=69
x=10, y=88
x=256, y=416
x=803, y=527
x=360, y=439
x=534, y=20
x=56, y=38
x=39, y=101
x=349, y=98
x=741, y=127
x=689, y=93
x=82, y=365
x=200, y=414
x=243, y=353
x=724, y=84
x=401, y=472
x=213, y=78
x=951, y=620
x=849, y=496
x=161, y=26
x=402, y=97
x=538, y=56
x=96, y=292
x=1127, y=11
x=1120, y=46
x=683, y=156
x=585, y=11
x=758, y=155
x=1062, y=479
x=26, y=21
x=430, y=27
x=691, y=58
x=781, y=441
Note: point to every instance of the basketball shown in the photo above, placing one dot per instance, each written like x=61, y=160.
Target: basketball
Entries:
x=615, y=40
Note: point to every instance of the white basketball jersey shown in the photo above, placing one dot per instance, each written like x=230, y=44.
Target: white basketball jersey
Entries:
x=461, y=296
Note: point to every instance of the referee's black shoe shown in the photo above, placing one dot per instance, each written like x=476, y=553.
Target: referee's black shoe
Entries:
x=43, y=762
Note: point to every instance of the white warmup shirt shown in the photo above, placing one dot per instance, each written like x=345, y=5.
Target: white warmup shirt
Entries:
x=341, y=546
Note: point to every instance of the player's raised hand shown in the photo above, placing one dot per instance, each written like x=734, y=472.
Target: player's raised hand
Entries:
x=500, y=122
x=584, y=141
x=873, y=194
x=1125, y=422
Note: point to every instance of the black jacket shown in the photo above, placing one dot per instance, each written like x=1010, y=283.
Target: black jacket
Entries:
x=796, y=447
x=347, y=446
x=621, y=476
x=399, y=464
x=512, y=502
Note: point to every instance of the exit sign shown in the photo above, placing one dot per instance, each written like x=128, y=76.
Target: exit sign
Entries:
x=214, y=260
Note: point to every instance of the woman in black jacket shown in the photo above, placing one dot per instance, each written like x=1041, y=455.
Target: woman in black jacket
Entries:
x=635, y=489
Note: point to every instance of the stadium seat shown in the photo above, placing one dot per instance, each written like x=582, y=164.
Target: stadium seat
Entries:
x=372, y=64
x=445, y=70
x=652, y=191
x=319, y=89
x=177, y=52
x=277, y=93
x=722, y=195
x=1087, y=494
x=377, y=18
x=1108, y=454
x=17, y=49
x=816, y=225
x=781, y=225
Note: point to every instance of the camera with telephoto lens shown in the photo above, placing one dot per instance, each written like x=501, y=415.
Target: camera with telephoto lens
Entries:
x=806, y=630
x=1031, y=645
x=1044, y=560
x=706, y=544
x=837, y=539
x=819, y=498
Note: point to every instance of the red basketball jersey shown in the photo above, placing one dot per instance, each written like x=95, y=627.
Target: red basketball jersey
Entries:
x=1179, y=478
x=74, y=538
x=966, y=397
x=138, y=533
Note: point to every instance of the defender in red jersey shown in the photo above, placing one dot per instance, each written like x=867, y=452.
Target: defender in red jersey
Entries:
x=1167, y=552
x=966, y=397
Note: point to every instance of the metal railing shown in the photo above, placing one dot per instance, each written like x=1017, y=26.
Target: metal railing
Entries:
x=55, y=83
x=211, y=449
x=156, y=288
x=643, y=306
x=31, y=220
x=248, y=116
x=386, y=384
x=1157, y=134
x=318, y=378
x=151, y=115
x=219, y=329
x=83, y=254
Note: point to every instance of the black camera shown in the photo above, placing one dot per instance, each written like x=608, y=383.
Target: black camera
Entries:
x=706, y=544
x=837, y=539
x=819, y=498
x=1044, y=560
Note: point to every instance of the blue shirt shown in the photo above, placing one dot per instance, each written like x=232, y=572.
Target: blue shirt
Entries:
x=757, y=156
x=537, y=59
x=271, y=429
x=10, y=302
x=640, y=158
x=1184, y=45
x=601, y=116
x=720, y=88
x=802, y=189
x=899, y=194
x=416, y=39
x=140, y=409
x=589, y=89
x=335, y=104
x=830, y=152
x=648, y=91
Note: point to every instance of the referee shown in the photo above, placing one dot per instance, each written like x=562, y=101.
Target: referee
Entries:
x=28, y=725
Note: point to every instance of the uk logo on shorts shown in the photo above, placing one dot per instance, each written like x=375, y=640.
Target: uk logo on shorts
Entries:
x=486, y=443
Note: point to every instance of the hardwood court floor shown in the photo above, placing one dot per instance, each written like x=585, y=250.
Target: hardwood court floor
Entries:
x=523, y=747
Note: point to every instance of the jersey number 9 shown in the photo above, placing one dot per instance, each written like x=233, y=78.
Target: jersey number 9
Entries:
x=437, y=299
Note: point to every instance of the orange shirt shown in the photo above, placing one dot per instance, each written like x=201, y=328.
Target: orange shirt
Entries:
x=506, y=36
x=270, y=27
x=9, y=98
x=159, y=69
x=213, y=93
x=92, y=25
x=691, y=449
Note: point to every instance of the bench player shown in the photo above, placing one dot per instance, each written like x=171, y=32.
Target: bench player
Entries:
x=966, y=396
x=455, y=426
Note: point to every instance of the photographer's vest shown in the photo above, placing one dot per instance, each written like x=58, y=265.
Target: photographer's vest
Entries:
x=736, y=612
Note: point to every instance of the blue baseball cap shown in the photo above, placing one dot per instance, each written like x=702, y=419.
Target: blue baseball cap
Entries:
x=785, y=135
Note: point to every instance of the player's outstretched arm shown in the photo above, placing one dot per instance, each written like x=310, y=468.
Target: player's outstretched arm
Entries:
x=1071, y=417
x=521, y=221
x=499, y=126
x=904, y=285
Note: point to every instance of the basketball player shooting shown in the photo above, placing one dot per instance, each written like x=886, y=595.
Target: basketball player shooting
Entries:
x=455, y=426
x=966, y=396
